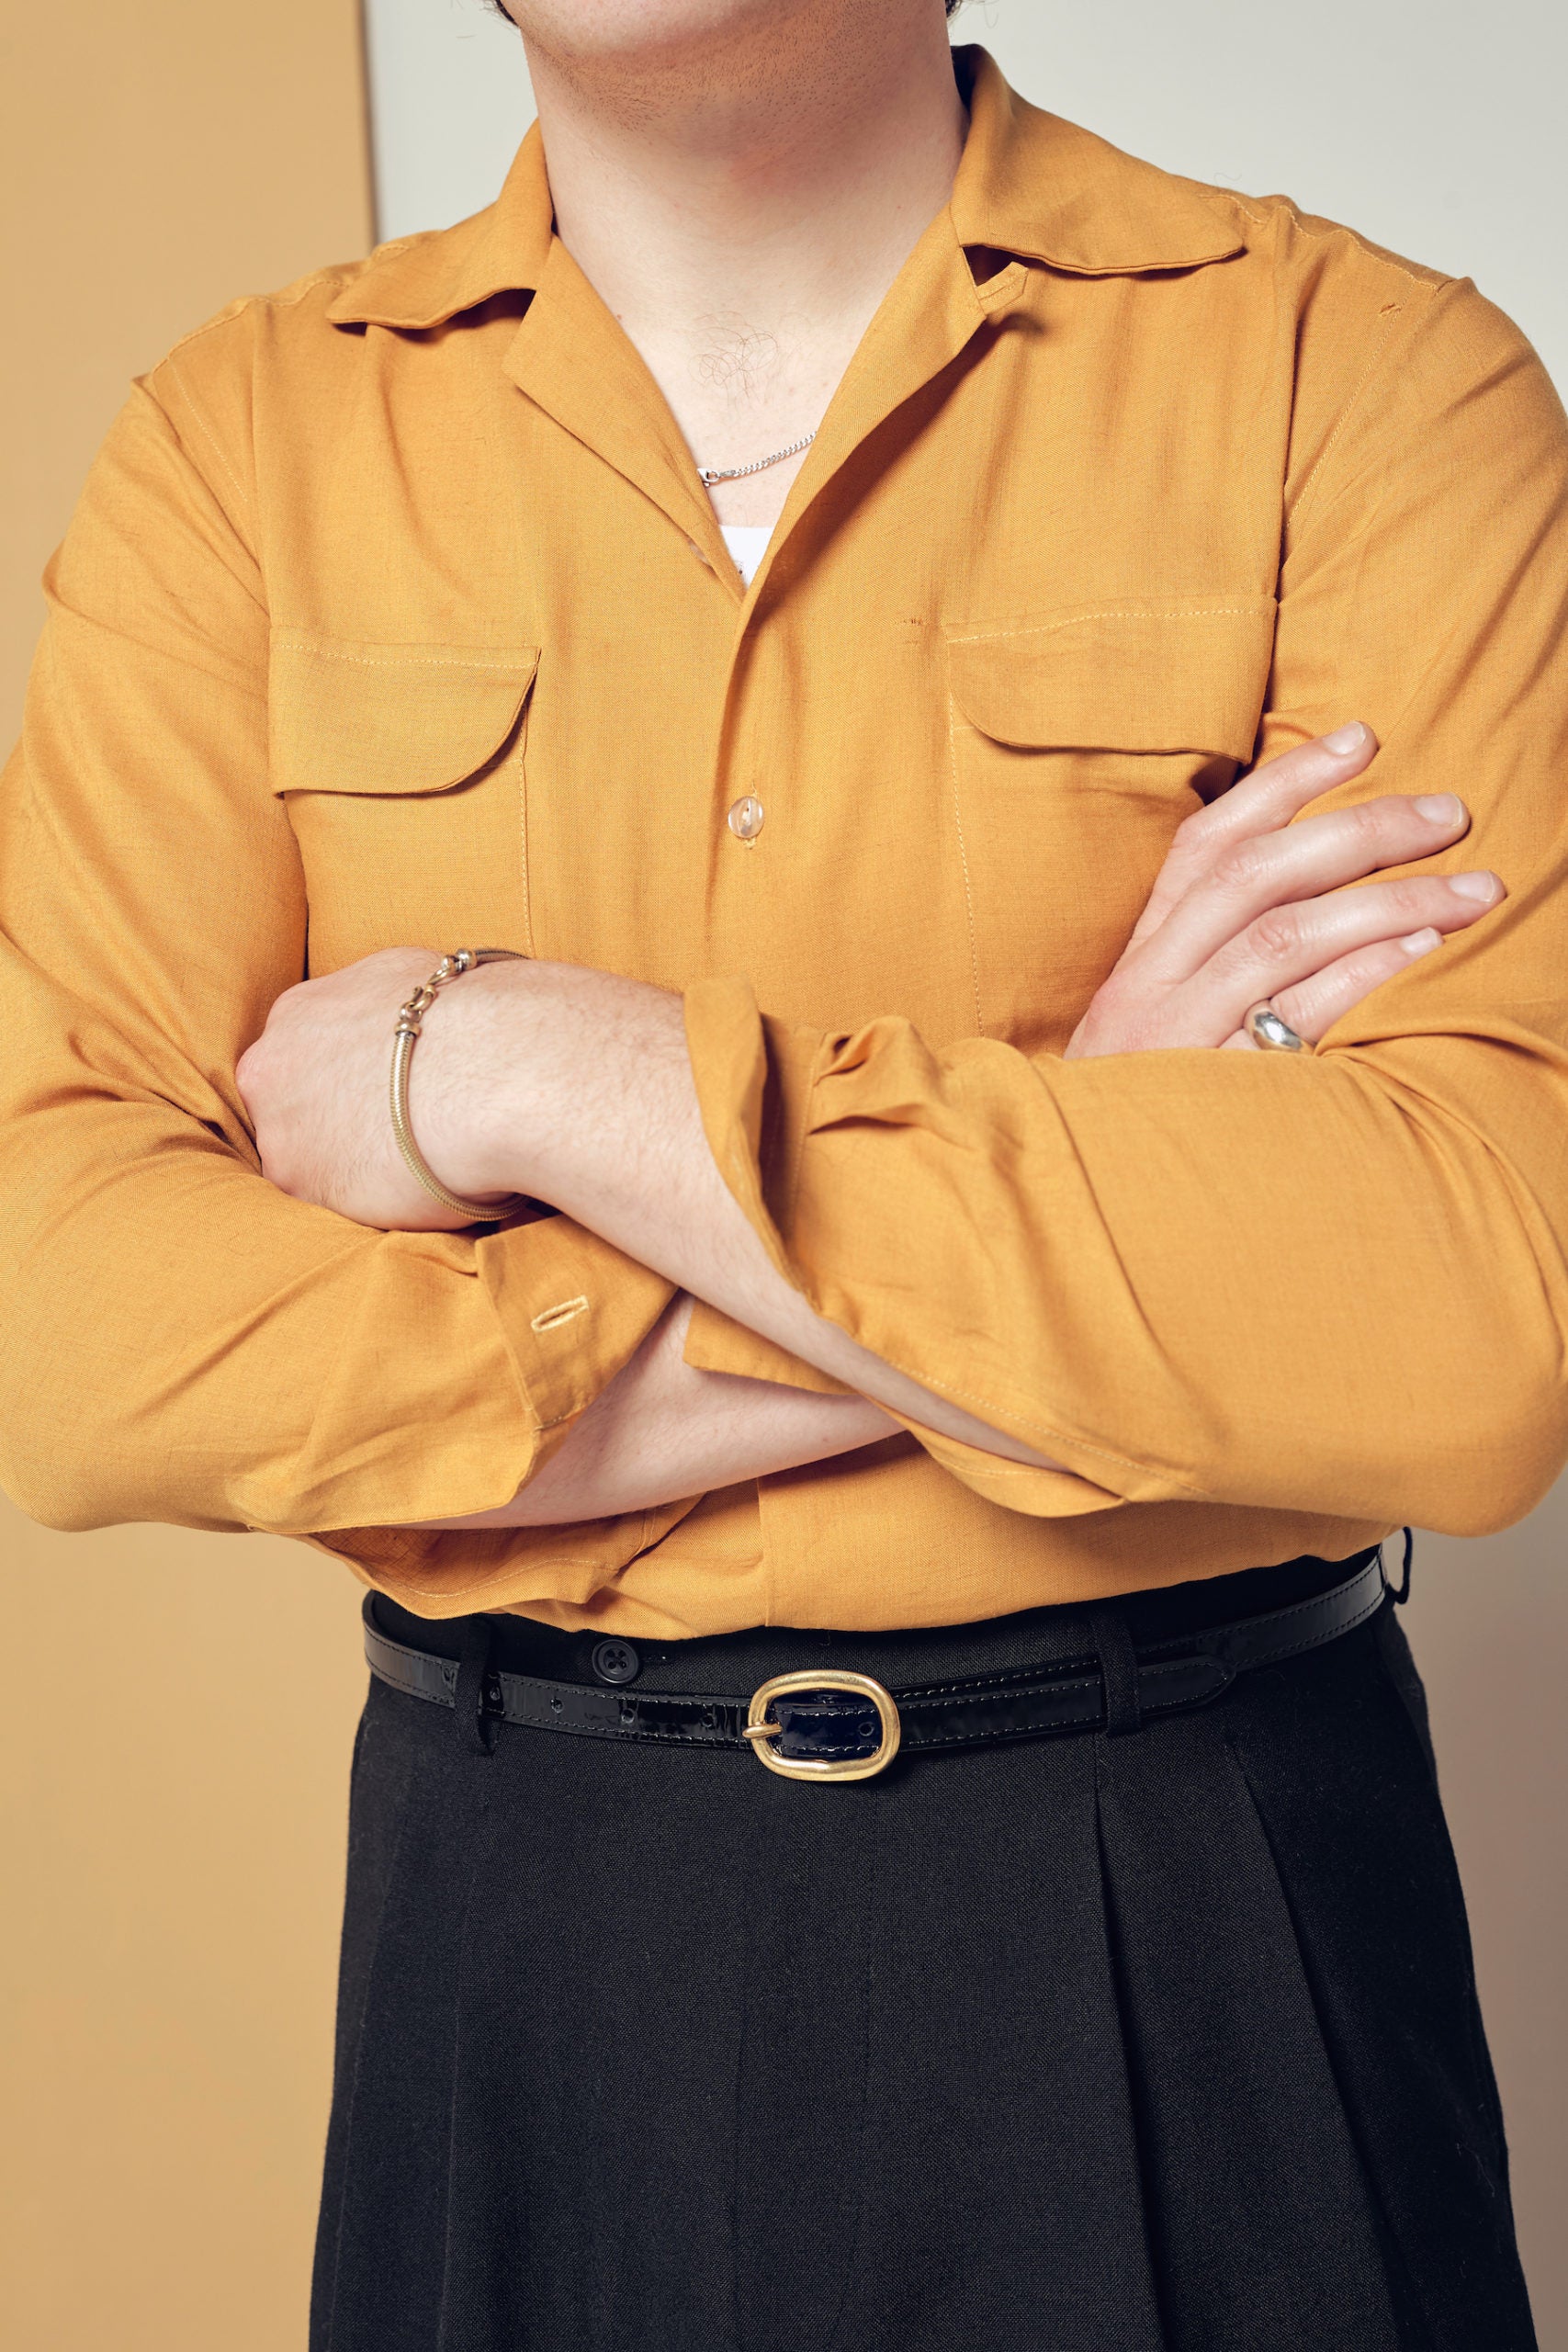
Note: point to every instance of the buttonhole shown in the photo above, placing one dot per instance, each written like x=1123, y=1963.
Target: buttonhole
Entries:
x=551, y=1318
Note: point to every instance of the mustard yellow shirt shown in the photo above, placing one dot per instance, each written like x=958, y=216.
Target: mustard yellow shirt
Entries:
x=394, y=611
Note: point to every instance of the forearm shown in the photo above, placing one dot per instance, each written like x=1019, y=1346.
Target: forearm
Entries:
x=662, y=1430
x=576, y=1087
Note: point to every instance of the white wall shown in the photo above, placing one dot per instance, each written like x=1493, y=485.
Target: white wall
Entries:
x=1434, y=126
x=1436, y=129
x=449, y=100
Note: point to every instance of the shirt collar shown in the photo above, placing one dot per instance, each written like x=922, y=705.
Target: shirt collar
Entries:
x=1028, y=183
x=1031, y=184
x=422, y=280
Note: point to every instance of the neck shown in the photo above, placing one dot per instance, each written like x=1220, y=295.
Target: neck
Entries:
x=743, y=202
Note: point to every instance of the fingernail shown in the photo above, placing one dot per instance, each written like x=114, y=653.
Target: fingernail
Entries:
x=1421, y=943
x=1438, y=808
x=1346, y=738
x=1484, y=887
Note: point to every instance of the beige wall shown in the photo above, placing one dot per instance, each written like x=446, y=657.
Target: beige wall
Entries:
x=172, y=1852
x=173, y=1830
x=155, y=159
x=172, y=1839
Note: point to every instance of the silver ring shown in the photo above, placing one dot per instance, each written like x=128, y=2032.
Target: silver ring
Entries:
x=1272, y=1034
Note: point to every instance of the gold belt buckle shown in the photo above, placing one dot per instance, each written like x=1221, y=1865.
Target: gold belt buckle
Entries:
x=759, y=1731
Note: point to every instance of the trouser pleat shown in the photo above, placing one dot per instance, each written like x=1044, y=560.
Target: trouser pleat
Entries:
x=1239, y=2111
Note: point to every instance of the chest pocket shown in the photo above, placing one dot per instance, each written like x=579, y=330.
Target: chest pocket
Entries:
x=1079, y=745
x=401, y=768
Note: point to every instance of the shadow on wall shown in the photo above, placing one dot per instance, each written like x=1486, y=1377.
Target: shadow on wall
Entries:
x=1488, y=1622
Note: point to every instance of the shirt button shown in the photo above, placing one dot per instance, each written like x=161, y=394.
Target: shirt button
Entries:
x=745, y=819
x=617, y=1662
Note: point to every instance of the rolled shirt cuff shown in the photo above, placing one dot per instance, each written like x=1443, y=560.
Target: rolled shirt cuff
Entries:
x=759, y=1082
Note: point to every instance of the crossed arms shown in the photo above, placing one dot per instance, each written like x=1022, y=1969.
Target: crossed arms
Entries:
x=576, y=1088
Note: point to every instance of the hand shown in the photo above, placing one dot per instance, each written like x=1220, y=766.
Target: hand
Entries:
x=1249, y=907
x=315, y=1085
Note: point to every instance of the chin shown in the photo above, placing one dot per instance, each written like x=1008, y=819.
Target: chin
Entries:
x=584, y=29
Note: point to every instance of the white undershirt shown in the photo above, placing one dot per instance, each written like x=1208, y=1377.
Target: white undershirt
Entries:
x=747, y=543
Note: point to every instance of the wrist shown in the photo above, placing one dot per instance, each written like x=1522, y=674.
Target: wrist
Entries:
x=551, y=1080
x=474, y=1037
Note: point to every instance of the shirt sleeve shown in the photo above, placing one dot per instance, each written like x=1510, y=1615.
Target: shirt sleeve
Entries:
x=181, y=1341
x=1331, y=1283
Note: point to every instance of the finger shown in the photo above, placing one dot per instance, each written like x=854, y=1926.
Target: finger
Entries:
x=1304, y=860
x=1258, y=803
x=1312, y=1007
x=1291, y=945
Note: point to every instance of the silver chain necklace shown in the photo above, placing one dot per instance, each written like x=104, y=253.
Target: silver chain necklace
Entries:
x=708, y=475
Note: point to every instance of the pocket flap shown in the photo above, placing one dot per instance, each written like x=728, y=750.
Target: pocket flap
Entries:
x=390, y=719
x=1182, y=675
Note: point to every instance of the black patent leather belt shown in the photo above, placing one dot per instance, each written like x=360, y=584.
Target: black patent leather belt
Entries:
x=827, y=1725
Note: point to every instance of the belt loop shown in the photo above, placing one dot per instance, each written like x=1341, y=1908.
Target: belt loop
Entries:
x=1118, y=1672
x=476, y=1731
